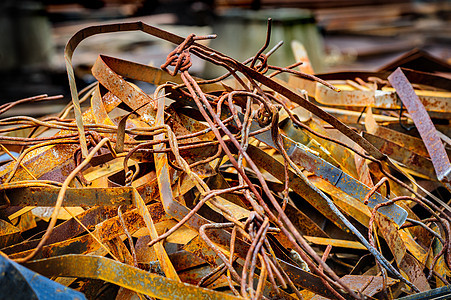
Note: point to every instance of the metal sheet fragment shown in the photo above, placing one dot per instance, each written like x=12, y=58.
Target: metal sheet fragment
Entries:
x=424, y=125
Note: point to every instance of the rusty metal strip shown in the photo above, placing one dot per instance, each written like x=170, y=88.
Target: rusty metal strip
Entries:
x=359, y=211
x=78, y=37
x=98, y=108
x=371, y=284
x=424, y=125
x=406, y=157
x=112, y=227
x=335, y=242
x=346, y=183
x=298, y=135
x=134, y=279
x=135, y=98
x=42, y=162
x=404, y=140
x=145, y=73
x=46, y=196
x=163, y=257
x=81, y=245
x=386, y=99
x=303, y=222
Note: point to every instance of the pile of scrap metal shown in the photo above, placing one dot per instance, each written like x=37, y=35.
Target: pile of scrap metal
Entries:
x=245, y=186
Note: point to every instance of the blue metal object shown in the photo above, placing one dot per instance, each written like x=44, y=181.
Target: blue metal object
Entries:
x=441, y=293
x=18, y=282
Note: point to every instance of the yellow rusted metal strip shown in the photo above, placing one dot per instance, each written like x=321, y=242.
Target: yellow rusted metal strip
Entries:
x=150, y=74
x=140, y=281
x=404, y=140
x=163, y=257
x=133, y=97
x=351, y=117
x=46, y=196
x=335, y=242
x=410, y=159
x=105, y=169
x=20, y=212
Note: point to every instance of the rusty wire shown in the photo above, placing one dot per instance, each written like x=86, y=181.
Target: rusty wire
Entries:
x=179, y=60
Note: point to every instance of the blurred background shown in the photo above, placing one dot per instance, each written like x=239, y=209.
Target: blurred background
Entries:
x=337, y=35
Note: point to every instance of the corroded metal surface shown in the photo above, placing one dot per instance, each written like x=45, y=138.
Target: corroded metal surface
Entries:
x=233, y=188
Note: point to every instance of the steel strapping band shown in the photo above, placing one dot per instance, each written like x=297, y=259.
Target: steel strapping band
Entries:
x=46, y=196
x=140, y=281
